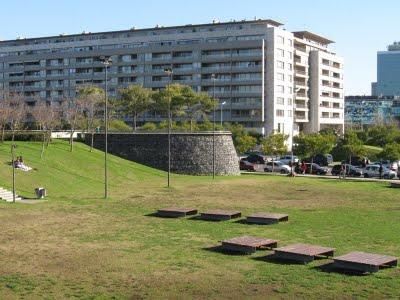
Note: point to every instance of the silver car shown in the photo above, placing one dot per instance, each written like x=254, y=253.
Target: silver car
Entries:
x=277, y=166
x=371, y=171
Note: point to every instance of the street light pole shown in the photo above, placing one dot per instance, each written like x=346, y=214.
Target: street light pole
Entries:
x=169, y=72
x=222, y=105
x=13, y=146
x=213, y=79
x=106, y=61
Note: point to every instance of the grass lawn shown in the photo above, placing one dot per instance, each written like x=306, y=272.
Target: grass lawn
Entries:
x=78, y=245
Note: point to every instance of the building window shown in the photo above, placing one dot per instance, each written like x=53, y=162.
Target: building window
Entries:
x=281, y=76
x=290, y=42
x=281, y=53
x=280, y=64
x=281, y=127
x=280, y=39
x=290, y=113
x=289, y=66
x=289, y=101
x=290, y=78
x=280, y=101
x=280, y=88
x=280, y=113
x=290, y=90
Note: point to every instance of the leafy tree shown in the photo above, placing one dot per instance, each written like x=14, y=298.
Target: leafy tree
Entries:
x=72, y=115
x=380, y=135
x=134, y=101
x=5, y=111
x=245, y=143
x=89, y=100
x=310, y=145
x=352, y=145
x=17, y=112
x=171, y=99
x=275, y=144
x=391, y=152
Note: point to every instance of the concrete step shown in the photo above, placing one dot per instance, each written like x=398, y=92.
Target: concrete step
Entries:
x=8, y=195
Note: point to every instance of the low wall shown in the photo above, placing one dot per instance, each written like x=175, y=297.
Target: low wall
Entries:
x=191, y=153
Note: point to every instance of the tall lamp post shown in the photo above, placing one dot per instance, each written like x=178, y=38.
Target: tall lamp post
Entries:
x=293, y=113
x=106, y=61
x=13, y=146
x=169, y=72
x=213, y=79
x=222, y=105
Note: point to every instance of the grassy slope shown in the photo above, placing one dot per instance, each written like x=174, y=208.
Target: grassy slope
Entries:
x=79, y=245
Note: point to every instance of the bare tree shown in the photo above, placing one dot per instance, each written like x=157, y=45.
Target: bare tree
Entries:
x=89, y=100
x=72, y=114
x=5, y=111
x=44, y=114
x=17, y=115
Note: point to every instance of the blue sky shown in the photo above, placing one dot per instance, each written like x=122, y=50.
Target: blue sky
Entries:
x=360, y=28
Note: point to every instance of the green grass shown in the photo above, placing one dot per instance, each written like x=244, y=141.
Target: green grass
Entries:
x=78, y=245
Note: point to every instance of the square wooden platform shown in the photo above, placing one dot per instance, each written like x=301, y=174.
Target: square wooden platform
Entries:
x=266, y=218
x=248, y=244
x=364, y=262
x=220, y=215
x=395, y=185
x=303, y=252
x=176, y=212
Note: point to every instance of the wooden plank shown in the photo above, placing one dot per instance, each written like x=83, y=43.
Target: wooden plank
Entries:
x=220, y=215
x=248, y=244
x=303, y=252
x=364, y=262
x=267, y=218
x=176, y=212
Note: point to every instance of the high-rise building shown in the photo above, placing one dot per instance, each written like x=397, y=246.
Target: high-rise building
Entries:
x=388, y=72
x=266, y=78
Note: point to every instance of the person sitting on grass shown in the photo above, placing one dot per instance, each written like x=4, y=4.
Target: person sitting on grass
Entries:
x=19, y=164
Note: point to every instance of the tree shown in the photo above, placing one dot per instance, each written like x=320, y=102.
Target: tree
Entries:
x=198, y=105
x=245, y=143
x=5, y=111
x=135, y=100
x=310, y=145
x=275, y=144
x=380, y=135
x=45, y=116
x=352, y=145
x=72, y=114
x=17, y=112
x=391, y=152
x=89, y=101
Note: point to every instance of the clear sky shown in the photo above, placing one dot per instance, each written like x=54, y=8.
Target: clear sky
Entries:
x=360, y=28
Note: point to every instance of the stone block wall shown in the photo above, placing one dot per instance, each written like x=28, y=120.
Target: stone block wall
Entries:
x=191, y=153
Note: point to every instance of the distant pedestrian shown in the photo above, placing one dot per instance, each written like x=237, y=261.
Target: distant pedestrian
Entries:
x=303, y=168
x=380, y=170
x=342, y=173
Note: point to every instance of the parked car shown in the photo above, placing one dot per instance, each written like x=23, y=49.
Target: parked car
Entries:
x=321, y=159
x=287, y=159
x=373, y=171
x=316, y=169
x=394, y=166
x=350, y=170
x=255, y=159
x=398, y=173
x=358, y=161
x=277, y=166
x=246, y=166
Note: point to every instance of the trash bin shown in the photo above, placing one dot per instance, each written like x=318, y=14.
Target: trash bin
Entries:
x=40, y=192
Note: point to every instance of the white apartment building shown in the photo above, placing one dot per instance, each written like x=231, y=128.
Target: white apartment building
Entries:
x=270, y=79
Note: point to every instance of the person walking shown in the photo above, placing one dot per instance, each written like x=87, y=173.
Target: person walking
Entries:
x=342, y=173
x=380, y=170
x=303, y=167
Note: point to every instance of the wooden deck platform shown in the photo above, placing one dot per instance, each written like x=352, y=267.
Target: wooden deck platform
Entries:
x=248, y=244
x=266, y=218
x=395, y=185
x=364, y=262
x=176, y=212
x=220, y=215
x=303, y=252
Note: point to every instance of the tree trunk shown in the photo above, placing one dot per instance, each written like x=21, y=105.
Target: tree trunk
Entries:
x=13, y=136
x=134, y=122
x=2, y=133
x=311, y=166
x=43, y=143
x=92, y=141
x=191, y=125
x=71, y=141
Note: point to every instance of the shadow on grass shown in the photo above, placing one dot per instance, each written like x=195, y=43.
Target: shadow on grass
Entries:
x=330, y=268
x=219, y=249
x=271, y=258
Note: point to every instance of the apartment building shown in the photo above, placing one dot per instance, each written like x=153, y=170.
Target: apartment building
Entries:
x=265, y=77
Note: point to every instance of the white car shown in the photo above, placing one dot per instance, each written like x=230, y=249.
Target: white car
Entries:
x=373, y=171
x=277, y=166
x=287, y=159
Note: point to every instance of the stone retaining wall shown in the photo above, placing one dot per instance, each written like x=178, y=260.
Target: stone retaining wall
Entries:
x=191, y=153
